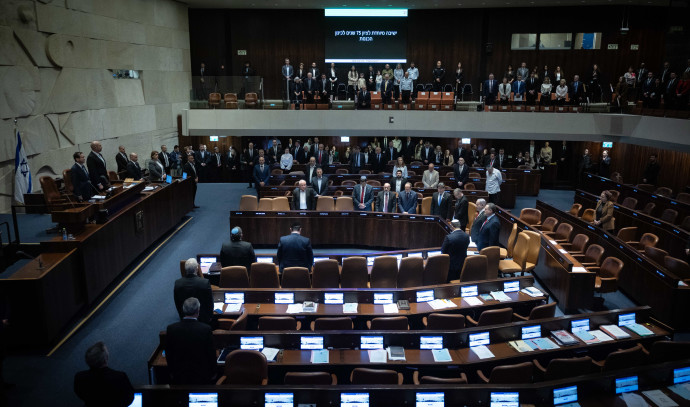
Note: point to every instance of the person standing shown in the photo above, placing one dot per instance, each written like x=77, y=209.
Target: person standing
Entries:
x=651, y=171
x=319, y=183
x=261, y=175
x=294, y=250
x=236, y=252
x=80, y=178
x=584, y=166
x=156, y=170
x=407, y=200
x=164, y=158
x=98, y=173
x=362, y=195
x=203, y=159
x=490, y=90
x=438, y=73
x=133, y=168
x=121, y=159
x=460, y=209
x=202, y=93
x=303, y=197
x=489, y=228
x=288, y=72
x=493, y=184
x=190, y=170
x=193, y=285
x=605, y=164
x=440, y=202
x=101, y=386
x=603, y=214
x=430, y=177
x=248, y=159
x=455, y=245
x=385, y=200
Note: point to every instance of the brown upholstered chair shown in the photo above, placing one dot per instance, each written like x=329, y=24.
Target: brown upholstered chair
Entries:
x=295, y=277
x=669, y=215
x=578, y=245
x=280, y=203
x=436, y=269
x=444, y=321
x=113, y=176
x=606, y=280
x=249, y=203
x=234, y=277
x=531, y=216
x=388, y=324
x=277, y=171
x=364, y=172
x=475, y=269
x=664, y=191
x=411, y=272
x=666, y=351
x=341, y=171
x=533, y=250
x=510, y=245
x=343, y=203
x=337, y=193
x=492, y=317
x=279, y=324
x=384, y=272
x=416, y=379
x=592, y=256
x=678, y=267
x=614, y=195
x=623, y=359
x=575, y=209
x=246, y=367
x=251, y=100
x=474, y=175
x=470, y=186
x=325, y=204
x=519, y=261
x=227, y=324
x=509, y=374
x=354, y=273
x=263, y=275
x=562, y=233
x=645, y=187
x=588, y=215
x=308, y=378
x=629, y=203
x=362, y=375
x=67, y=179
x=649, y=208
x=332, y=324
x=214, y=100
x=685, y=224
x=562, y=368
x=426, y=205
x=683, y=197
x=265, y=204
x=325, y=274
x=51, y=194
x=493, y=256
x=655, y=254
x=538, y=312
x=647, y=239
x=549, y=224
x=418, y=184
x=471, y=213
x=627, y=234
x=230, y=100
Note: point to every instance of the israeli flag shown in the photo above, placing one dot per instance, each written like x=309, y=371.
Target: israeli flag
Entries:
x=22, y=173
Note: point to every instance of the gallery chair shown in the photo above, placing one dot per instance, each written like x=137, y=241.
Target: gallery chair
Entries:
x=246, y=367
x=519, y=261
x=562, y=233
x=411, y=272
x=531, y=216
x=575, y=209
x=418, y=379
x=592, y=256
x=354, y=273
x=363, y=375
x=263, y=275
x=295, y=277
x=492, y=317
x=510, y=245
x=475, y=269
x=234, y=277
x=509, y=374
x=493, y=256
x=549, y=224
x=623, y=359
x=538, y=312
x=588, y=215
x=384, y=272
x=325, y=274
x=227, y=324
x=436, y=269
x=578, y=245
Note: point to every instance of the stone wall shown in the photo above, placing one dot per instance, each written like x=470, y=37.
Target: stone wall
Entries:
x=56, y=79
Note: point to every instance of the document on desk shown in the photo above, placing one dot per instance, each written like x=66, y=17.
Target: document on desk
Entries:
x=98, y=197
x=659, y=398
x=543, y=343
x=500, y=296
x=350, y=308
x=233, y=307
x=588, y=337
x=218, y=307
x=639, y=329
x=319, y=356
x=482, y=352
x=633, y=400
x=441, y=304
x=601, y=336
x=579, y=270
x=270, y=353
x=147, y=189
x=682, y=390
x=473, y=301
x=441, y=355
x=294, y=308
x=520, y=346
x=390, y=308
x=377, y=356
x=615, y=331
x=396, y=353
x=532, y=292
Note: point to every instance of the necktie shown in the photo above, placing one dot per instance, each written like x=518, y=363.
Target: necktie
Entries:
x=358, y=160
x=439, y=199
x=319, y=157
x=85, y=170
x=378, y=157
x=362, y=199
x=487, y=219
x=385, y=202
x=576, y=87
x=385, y=87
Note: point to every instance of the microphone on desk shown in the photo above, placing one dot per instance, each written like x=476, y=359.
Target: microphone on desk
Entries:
x=30, y=257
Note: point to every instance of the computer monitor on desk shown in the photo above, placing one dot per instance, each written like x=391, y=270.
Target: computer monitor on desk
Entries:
x=205, y=262
x=203, y=400
x=504, y=399
x=564, y=395
x=252, y=342
x=278, y=400
x=354, y=399
x=480, y=338
x=429, y=399
x=626, y=384
x=264, y=259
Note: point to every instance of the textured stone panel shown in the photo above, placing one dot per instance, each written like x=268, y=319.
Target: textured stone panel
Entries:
x=52, y=19
x=164, y=116
x=38, y=134
x=180, y=39
x=76, y=52
x=100, y=27
x=18, y=13
x=7, y=141
x=48, y=77
x=159, y=36
x=131, y=32
x=18, y=86
x=34, y=44
x=128, y=92
x=8, y=47
x=81, y=89
x=82, y=127
x=157, y=87
x=170, y=14
x=128, y=120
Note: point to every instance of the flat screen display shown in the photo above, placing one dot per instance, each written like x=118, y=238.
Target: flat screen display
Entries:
x=137, y=402
x=511, y=286
x=531, y=332
x=252, y=342
x=203, y=399
x=383, y=298
x=480, y=338
x=430, y=342
x=168, y=179
x=354, y=399
x=311, y=342
x=425, y=296
x=320, y=259
x=579, y=325
x=234, y=298
x=415, y=254
x=333, y=298
x=504, y=399
x=681, y=375
x=278, y=400
x=429, y=399
x=626, y=384
x=264, y=259
x=184, y=175
x=564, y=395
x=285, y=298
x=433, y=253
x=206, y=262
x=469, y=291
x=626, y=319
x=370, y=342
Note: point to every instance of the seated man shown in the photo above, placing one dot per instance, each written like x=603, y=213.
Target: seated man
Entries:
x=101, y=385
x=236, y=252
x=362, y=195
x=489, y=228
x=385, y=200
x=407, y=200
x=430, y=177
x=294, y=250
x=303, y=197
x=191, y=285
x=440, y=202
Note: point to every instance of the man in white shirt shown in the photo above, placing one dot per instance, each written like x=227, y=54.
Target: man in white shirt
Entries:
x=303, y=197
x=286, y=160
x=413, y=74
x=430, y=177
x=493, y=184
x=399, y=181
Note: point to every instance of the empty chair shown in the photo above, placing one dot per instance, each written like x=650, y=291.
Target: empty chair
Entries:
x=338, y=193
x=669, y=215
x=510, y=245
x=629, y=203
x=578, y=245
x=343, y=203
x=475, y=269
x=388, y=324
x=666, y=351
x=325, y=274
x=249, y=203
x=562, y=233
x=234, y=277
x=325, y=204
x=530, y=216
x=416, y=379
x=384, y=272
x=444, y=321
x=411, y=272
x=301, y=378
x=623, y=359
x=538, y=312
x=509, y=374
x=686, y=223
x=471, y=213
x=251, y=100
x=470, y=186
x=354, y=273
x=645, y=187
x=565, y=368
x=279, y=324
x=683, y=197
x=664, y=191
x=214, y=99
x=627, y=234
x=280, y=203
x=649, y=208
x=67, y=179
x=348, y=183
x=678, y=267
x=247, y=367
x=614, y=195
x=493, y=256
x=492, y=317
x=592, y=256
x=575, y=209
x=230, y=100
x=295, y=277
x=519, y=261
x=648, y=239
x=365, y=171
x=588, y=215
x=266, y=204
x=341, y=171
x=533, y=250
x=332, y=324
x=263, y=275
x=436, y=269
x=549, y=224
x=606, y=280
x=362, y=375
x=655, y=254
x=418, y=184
x=474, y=175
x=426, y=205
x=51, y=194
x=227, y=324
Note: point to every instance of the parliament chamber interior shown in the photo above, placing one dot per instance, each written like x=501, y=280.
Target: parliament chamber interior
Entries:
x=368, y=203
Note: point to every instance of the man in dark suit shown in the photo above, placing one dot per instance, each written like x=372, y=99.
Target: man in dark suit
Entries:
x=386, y=90
x=533, y=87
x=428, y=153
x=461, y=172
x=407, y=200
x=203, y=161
x=562, y=154
x=320, y=155
x=584, y=166
x=319, y=183
x=80, y=178
x=489, y=228
x=231, y=162
x=460, y=209
x=236, y=252
x=121, y=159
x=274, y=152
x=357, y=161
x=398, y=183
x=385, y=200
x=309, y=87
x=98, y=174
x=391, y=152
x=490, y=90
x=100, y=385
x=261, y=174
x=379, y=161
x=192, y=285
x=314, y=71
x=294, y=250
x=502, y=159
x=479, y=219
x=363, y=99
x=297, y=152
x=164, y=158
x=577, y=91
x=303, y=197
x=490, y=160
x=440, y=202
x=249, y=158
x=362, y=195
x=325, y=88
x=215, y=166
x=670, y=92
x=455, y=245
x=408, y=149
x=190, y=169
x=133, y=168
x=189, y=348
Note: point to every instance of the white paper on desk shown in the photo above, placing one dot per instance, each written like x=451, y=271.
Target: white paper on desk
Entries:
x=350, y=308
x=149, y=189
x=294, y=308
x=378, y=356
x=441, y=355
x=473, y=301
x=601, y=335
x=319, y=356
x=390, y=308
x=440, y=304
x=98, y=197
x=633, y=400
x=218, y=305
x=500, y=296
x=482, y=352
x=270, y=353
x=579, y=270
x=233, y=307
x=563, y=251
x=449, y=303
x=553, y=242
x=682, y=390
x=659, y=398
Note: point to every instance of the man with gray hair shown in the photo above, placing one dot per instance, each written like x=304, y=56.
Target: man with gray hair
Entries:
x=101, y=385
x=194, y=285
x=189, y=348
x=478, y=218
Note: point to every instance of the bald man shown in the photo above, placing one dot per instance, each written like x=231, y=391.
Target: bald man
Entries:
x=303, y=197
x=98, y=174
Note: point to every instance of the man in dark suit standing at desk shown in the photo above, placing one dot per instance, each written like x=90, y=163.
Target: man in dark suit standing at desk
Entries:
x=133, y=168
x=294, y=250
x=357, y=161
x=364, y=99
x=379, y=162
x=319, y=183
x=461, y=172
x=303, y=197
x=121, y=159
x=80, y=178
x=236, y=252
x=455, y=245
x=489, y=229
x=97, y=169
x=440, y=202
x=460, y=209
x=192, y=285
x=386, y=199
x=203, y=161
x=189, y=348
x=101, y=385
x=490, y=90
x=190, y=169
x=261, y=175
x=362, y=195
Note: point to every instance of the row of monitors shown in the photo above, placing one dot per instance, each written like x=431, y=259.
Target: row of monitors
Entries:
x=379, y=298
x=426, y=342
x=561, y=396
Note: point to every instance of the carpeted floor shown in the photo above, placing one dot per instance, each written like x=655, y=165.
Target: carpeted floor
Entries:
x=130, y=321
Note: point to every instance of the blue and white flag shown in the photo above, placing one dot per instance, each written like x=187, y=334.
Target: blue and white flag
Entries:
x=22, y=173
